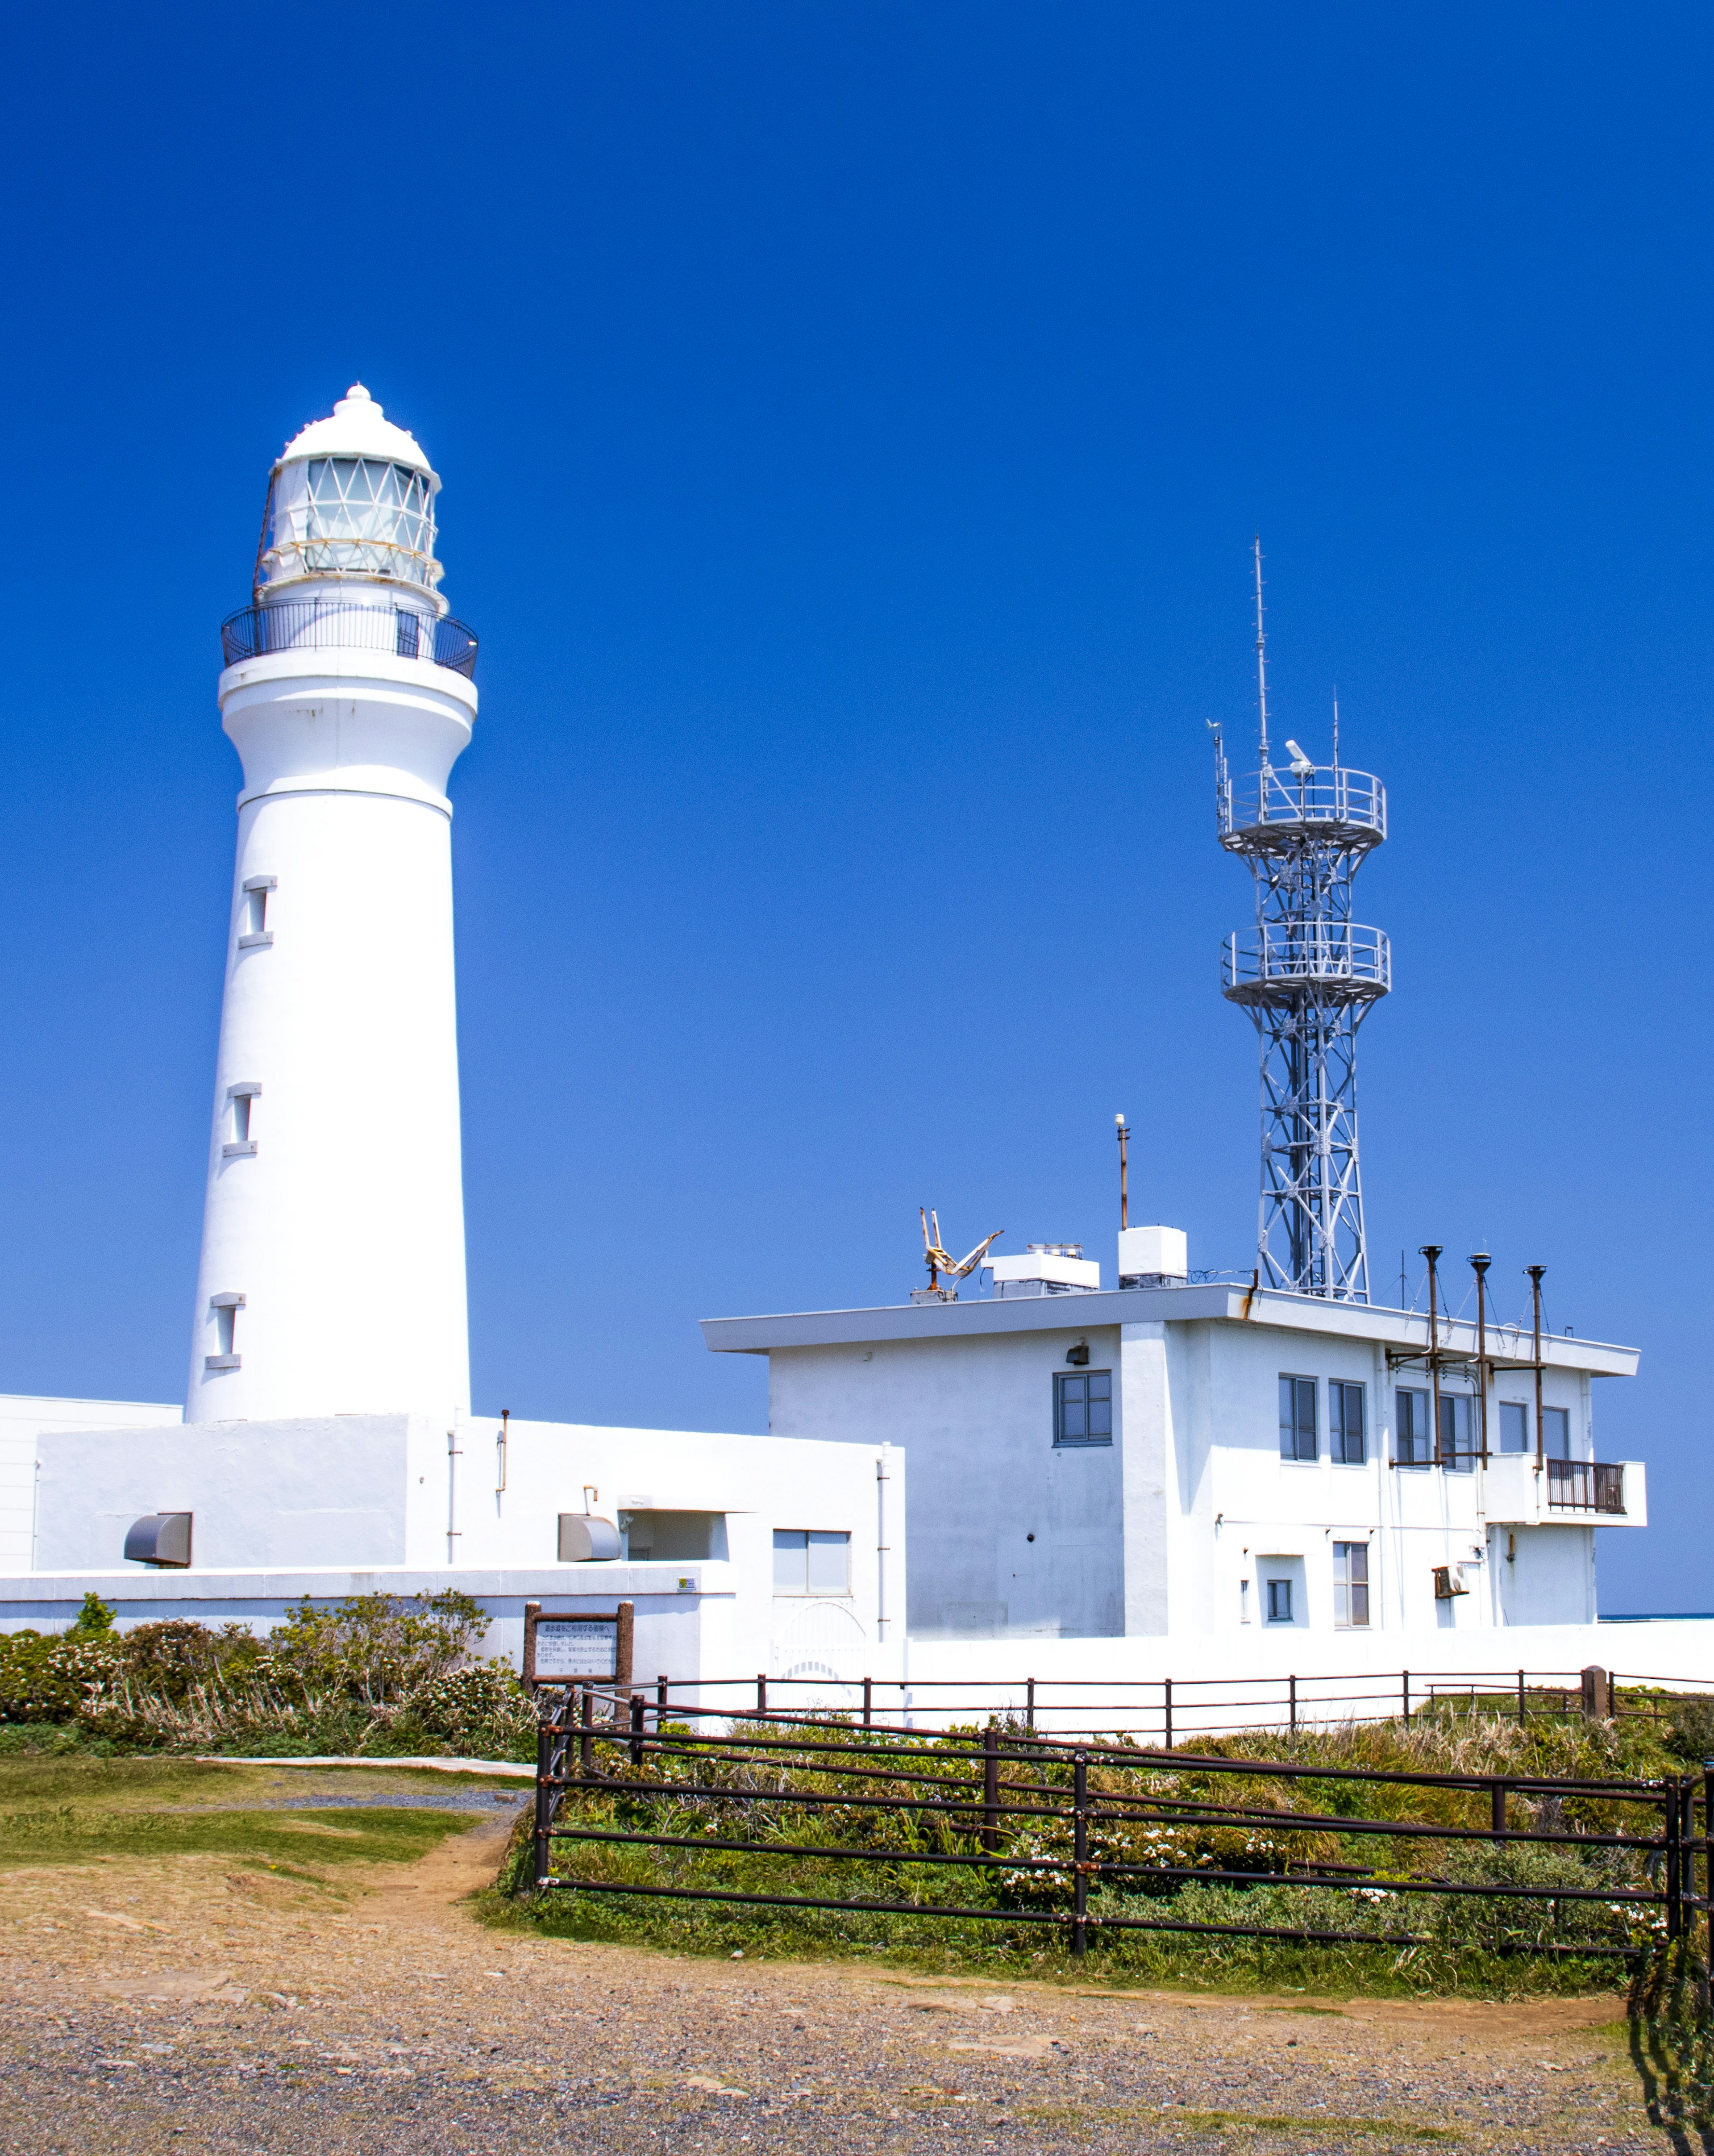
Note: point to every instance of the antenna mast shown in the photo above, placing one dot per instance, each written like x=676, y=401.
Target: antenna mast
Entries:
x=1261, y=652
x=1308, y=975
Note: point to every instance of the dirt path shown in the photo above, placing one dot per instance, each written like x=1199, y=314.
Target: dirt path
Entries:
x=191, y=2003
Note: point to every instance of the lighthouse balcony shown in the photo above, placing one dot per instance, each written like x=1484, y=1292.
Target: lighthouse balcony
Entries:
x=1272, y=811
x=323, y=625
x=1279, y=966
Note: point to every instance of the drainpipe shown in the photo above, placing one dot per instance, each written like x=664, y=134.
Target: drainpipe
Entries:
x=881, y=1479
x=454, y=1454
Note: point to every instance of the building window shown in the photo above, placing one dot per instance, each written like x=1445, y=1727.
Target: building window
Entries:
x=1458, y=1443
x=1514, y=1427
x=1350, y=1584
x=1083, y=1407
x=253, y=930
x=1556, y=1432
x=240, y=1138
x=1345, y=1423
x=1297, y=1419
x=1279, y=1602
x=807, y=1561
x=225, y=1309
x=1244, y=1601
x=1414, y=1445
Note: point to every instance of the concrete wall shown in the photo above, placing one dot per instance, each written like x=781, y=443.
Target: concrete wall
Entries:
x=23, y=1419
x=1009, y=1538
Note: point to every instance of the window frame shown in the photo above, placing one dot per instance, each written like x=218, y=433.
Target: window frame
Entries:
x=1274, y=1615
x=1519, y=1408
x=1348, y=1587
x=1454, y=1459
x=812, y=1537
x=1339, y=1434
x=1547, y=1415
x=1064, y=1381
x=1414, y=1437
x=1291, y=1422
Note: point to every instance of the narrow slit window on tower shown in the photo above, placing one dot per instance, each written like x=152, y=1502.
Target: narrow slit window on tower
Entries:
x=253, y=932
x=224, y=1309
x=240, y=1138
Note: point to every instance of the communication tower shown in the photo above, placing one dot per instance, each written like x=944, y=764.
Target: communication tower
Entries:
x=1308, y=975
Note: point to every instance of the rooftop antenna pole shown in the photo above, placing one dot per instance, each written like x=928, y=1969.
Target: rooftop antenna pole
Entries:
x=1261, y=652
x=1336, y=726
x=1124, y=1187
x=1431, y=1251
x=1535, y=1273
x=1479, y=1265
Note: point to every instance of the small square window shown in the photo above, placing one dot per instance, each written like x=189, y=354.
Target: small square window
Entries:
x=1297, y=1419
x=1350, y=1584
x=811, y=1561
x=1279, y=1602
x=1083, y=1407
x=1345, y=1417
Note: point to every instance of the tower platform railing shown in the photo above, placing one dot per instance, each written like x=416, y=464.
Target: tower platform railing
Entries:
x=257, y=632
x=1278, y=809
x=1277, y=965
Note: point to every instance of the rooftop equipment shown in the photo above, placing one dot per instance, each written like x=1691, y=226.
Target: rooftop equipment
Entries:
x=942, y=1264
x=1308, y=975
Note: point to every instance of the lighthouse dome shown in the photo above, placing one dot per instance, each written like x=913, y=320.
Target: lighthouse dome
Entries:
x=351, y=498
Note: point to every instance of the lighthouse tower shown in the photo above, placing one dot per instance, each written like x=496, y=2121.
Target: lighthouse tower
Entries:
x=332, y=1272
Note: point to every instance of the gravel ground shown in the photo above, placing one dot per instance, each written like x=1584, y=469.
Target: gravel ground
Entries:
x=183, y=2004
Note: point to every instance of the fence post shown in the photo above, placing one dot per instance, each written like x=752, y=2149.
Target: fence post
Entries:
x=1522, y=1711
x=1168, y=1683
x=659, y=1703
x=1292, y=1681
x=1499, y=1810
x=991, y=1786
x=544, y=1801
x=762, y=1692
x=1708, y=1849
x=586, y=1743
x=1597, y=1700
x=1080, y=1854
x=868, y=1700
x=1675, y=1883
x=637, y=1713
x=1030, y=1714
x=1404, y=1680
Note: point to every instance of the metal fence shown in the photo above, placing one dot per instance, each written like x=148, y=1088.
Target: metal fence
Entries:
x=988, y=1803
x=1172, y=1709
x=315, y=625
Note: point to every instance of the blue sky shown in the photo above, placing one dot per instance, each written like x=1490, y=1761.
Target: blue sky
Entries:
x=853, y=420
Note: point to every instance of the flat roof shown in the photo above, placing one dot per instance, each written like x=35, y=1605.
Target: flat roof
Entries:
x=1403, y=1331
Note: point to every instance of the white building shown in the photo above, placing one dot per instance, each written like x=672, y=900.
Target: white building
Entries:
x=1104, y=1483
x=1199, y=1461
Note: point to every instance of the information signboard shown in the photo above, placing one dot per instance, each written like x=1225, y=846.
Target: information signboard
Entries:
x=577, y=1646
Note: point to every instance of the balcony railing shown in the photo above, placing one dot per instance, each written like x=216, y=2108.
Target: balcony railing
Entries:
x=1275, y=964
x=309, y=625
x=1585, y=1486
x=1330, y=803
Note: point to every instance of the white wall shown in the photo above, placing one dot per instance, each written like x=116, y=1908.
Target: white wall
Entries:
x=975, y=1415
x=23, y=1419
x=344, y=1230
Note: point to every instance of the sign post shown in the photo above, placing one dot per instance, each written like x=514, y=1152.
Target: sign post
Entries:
x=579, y=1646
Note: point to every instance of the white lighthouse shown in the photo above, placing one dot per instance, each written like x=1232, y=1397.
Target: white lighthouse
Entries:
x=332, y=1272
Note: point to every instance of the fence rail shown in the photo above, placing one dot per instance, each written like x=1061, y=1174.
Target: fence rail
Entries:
x=1021, y=1812
x=1174, y=1708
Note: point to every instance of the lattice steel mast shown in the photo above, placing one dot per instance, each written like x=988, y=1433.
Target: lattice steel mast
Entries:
x=1308, y=976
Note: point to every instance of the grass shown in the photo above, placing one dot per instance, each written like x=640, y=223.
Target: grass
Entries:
x=1325, y=2125
x=79, y=1810
x=1468, y=1945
